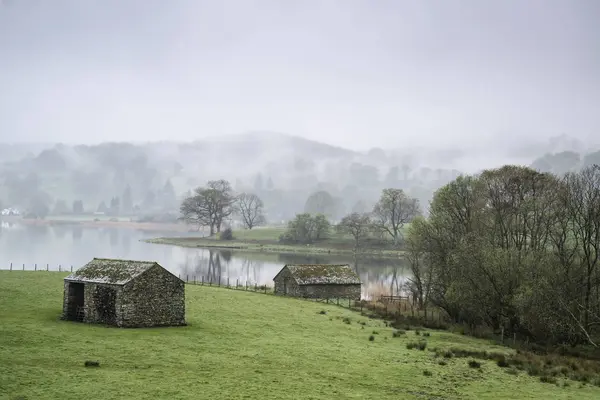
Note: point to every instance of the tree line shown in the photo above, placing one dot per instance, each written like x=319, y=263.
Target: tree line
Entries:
x=513, y=248
x=214, y=204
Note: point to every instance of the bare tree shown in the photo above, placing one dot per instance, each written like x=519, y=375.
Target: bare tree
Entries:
x=209, y=206
x=250, y=207
x=393, y=210
x=357, y=225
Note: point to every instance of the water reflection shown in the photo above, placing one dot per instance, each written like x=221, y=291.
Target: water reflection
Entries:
x=76, y=245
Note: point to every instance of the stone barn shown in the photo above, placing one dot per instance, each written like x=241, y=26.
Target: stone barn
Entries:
x=124, y=293
x=318, y=281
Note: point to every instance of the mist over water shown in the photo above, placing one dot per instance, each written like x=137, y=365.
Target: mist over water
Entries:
x=49, y=247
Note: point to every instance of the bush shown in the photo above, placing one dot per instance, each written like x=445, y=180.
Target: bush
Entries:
x=371, y=338
x=227, y=234
x=417, y=345
x=474, y=364
x=398, y=333
x=427, y=373
x=92, y=364
x=347, y=320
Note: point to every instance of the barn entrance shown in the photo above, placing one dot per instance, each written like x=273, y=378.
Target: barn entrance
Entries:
x=75, y=302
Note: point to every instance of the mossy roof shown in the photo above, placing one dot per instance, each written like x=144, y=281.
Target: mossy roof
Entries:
x=323, y=274
x=111, y=271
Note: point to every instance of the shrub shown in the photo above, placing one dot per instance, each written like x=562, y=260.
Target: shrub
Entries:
x=427, y=373
x=227, y=234
x=398, y=333
x=442, y=362
x=426, y=334
x=547, y=379
x=417, y=345
x=502, y=363
x=375, y=333
x=347, y=320
x=322, y=312
x=92, y=364
x=474, y=364
x=371, y=338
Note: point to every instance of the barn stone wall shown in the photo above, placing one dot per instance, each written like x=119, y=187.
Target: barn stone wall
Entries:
x=331, y=291
x=155, y=298
x=286, y=285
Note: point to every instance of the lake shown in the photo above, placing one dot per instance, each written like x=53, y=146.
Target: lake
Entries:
x=69, y=245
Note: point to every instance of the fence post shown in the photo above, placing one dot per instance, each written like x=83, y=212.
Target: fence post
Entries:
x=255, y=288
x=246, y=285
x=228, y=282
x=59, y=268
x=210, y=281
x=187, y=278
x=35, y=267
x=237, y=282
x=194, y=279
x=23, y=267
x=202, y=282
x=219, y=280
x=71, y=268
x=265, y=289
x=47, y=267
x=11, y=266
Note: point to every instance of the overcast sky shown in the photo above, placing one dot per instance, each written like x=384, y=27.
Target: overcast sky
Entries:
x=353, y=73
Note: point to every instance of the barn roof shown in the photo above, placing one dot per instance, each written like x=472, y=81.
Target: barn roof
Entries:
x=112, y=271
x=322, y=274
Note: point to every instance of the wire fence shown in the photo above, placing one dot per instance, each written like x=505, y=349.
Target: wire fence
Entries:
x=387, y=307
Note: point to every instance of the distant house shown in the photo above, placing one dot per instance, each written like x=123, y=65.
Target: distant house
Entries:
x=318, y=281
x=124, y=293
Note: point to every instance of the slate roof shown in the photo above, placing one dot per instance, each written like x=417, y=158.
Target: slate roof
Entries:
x=112, y=271
x=322, y=274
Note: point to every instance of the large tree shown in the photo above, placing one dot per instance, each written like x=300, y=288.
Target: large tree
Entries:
x=393, y=210
x=209, y=206
x=251, y=209
x=358, y=226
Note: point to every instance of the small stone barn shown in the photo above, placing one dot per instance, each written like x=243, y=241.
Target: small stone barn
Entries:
x=318, y=281
x=124, y=293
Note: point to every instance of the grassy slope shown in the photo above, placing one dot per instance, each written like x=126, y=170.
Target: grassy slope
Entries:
x=238, y=345
x=267, y=240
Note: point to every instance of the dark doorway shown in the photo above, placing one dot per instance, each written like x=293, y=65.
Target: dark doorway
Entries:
x=75, y=302
x=106, y=299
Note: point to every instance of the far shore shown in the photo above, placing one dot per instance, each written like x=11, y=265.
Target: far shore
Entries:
x=101, y=223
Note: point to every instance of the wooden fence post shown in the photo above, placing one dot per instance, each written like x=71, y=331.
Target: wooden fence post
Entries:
x=23, y=267
x=219, y=280
x=11, y=266
x=187, y=278
x=47, y=267
x=59, y=268
x=71, y=268
x=35, y=267
x=202, y=280
x=228, y=282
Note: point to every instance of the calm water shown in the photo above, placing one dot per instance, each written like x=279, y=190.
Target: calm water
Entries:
x=74, y=246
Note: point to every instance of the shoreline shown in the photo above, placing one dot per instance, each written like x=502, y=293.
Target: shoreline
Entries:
x=266, y=247
x=144, y=226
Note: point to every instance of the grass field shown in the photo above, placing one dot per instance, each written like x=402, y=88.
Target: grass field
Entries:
x=267, y=240
x=238, y=345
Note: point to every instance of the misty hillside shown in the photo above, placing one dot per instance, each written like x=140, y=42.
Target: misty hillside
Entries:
x=283, y=169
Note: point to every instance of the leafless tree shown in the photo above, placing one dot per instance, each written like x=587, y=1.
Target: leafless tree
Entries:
x=357, y=225
x=393, y=210
x=250, y=207
x=209, y=206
